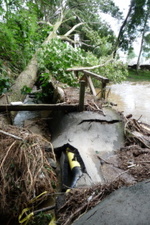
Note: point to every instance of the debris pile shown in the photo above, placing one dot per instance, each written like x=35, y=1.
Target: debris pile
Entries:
x=135, y=156
x=25, y=172
x=79, y=201
x=91, y=103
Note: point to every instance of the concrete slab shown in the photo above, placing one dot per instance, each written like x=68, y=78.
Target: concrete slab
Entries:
x=90, y=138
x=126, y=206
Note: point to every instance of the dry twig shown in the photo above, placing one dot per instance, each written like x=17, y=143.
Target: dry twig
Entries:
x=11, y=135
x=24, y=170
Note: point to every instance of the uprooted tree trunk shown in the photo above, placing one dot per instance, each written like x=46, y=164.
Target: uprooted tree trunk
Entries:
x=26, y=78
x=29, y=75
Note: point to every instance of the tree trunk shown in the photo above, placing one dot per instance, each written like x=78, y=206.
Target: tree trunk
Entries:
x=142, y=39
x=29, y=75
x=121, y=29
x=26, y=78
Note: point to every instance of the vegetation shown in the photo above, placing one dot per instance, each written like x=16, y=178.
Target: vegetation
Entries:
x=46, y=31
x=4, y=84
x=57, y=57
x=142, y=75
x=25, y=26
x=135, y=25
x=25, y=172
x=41, y=219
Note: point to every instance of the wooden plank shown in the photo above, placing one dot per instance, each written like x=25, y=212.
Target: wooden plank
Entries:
x=39, y=107
x=91, y=85
x=96, y=76
x=81, y=96
x=76, y=73
x=103, y=90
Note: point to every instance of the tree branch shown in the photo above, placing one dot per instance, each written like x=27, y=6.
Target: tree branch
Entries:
x=89, y=68
x=73, y=28
x=11, y=135
x=53, y=33
x=44, y=22
x=62, y=37
x=117, y=44
x=86, y=44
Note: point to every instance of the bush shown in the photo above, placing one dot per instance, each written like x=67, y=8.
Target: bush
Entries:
x=4, y=84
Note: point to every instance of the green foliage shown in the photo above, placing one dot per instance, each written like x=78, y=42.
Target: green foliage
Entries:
x=5, y=84
x=41, y=219
x=46, y=95
x=6, y=80
x=96, y=35
x=101, y=39
x=89, y=7
x=44, y=78
x=116, y=71
x=133, y=26
x=25, y=90
x=91, y=59
x=20, y=36
x=146, y=47
x=131, y=54
x=24, y=27
x=141, y=75
x=59, y=56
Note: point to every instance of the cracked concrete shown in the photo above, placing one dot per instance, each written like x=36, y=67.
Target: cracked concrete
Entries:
x=90, y=138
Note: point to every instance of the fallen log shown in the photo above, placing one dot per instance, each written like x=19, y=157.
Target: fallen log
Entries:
x=145, y=140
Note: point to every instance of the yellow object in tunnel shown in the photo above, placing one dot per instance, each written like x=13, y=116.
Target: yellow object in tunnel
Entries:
x=72, y=161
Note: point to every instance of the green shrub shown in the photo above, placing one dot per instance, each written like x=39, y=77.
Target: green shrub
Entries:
x=5, y=84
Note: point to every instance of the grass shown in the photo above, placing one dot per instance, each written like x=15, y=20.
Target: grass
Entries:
x=141, y=75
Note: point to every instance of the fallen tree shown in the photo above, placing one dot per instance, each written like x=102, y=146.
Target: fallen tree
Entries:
x=29, y=75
